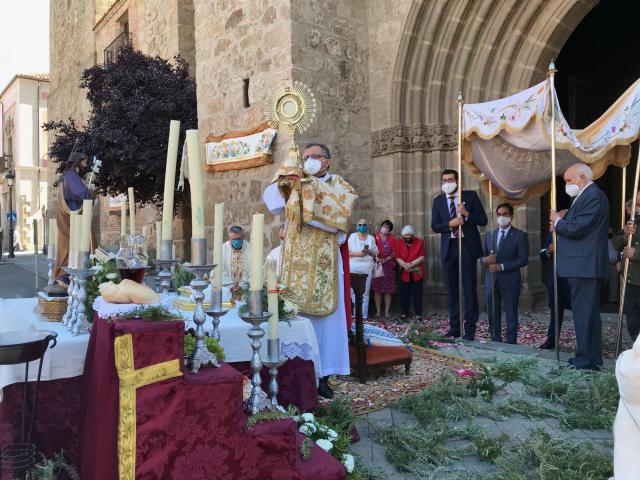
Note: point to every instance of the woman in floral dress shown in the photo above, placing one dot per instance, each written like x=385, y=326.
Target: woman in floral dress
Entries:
x=386, y=284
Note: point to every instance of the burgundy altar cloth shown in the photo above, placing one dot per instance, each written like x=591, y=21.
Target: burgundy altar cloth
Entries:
x=190, y=427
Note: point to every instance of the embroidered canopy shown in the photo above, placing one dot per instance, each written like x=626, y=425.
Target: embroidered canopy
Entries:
x=509, y=140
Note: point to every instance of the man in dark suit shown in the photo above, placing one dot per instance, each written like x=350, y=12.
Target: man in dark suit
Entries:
x=583, y=258
x=450, y=210
x=503, y=256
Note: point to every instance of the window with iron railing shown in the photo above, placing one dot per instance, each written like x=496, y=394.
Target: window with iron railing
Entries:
x=112, y=50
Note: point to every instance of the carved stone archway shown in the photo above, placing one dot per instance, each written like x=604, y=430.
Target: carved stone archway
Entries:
x=487, y=49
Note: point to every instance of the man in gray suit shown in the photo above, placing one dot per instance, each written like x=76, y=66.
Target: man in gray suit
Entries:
x=583, y=258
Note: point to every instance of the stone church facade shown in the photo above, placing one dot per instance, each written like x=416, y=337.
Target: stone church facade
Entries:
x=386, y=74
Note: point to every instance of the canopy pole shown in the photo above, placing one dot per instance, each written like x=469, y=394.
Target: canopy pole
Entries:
x=491, y=252
x=460, y=294
x=623, y=287
x=624, y=197
x=554, y=206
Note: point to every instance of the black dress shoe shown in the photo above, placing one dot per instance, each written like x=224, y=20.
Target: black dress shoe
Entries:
x=471, y=338
x=324, y=390
x=452, y=334
x=547, y=345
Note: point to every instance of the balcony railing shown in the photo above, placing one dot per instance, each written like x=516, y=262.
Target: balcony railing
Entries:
x=112, y=50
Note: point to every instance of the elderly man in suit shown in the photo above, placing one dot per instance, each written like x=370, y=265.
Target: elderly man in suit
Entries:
x=451, y=209
x=583, y=258
x=505, y=253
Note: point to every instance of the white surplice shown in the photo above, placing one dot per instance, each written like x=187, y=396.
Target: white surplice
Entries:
x=331, y=330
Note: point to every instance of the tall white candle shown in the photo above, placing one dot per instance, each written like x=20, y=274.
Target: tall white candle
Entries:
x=72, y=231
x=123, y=217
x=132, y=212
x=85, y=235
x=53, y=232
x=218, y=232
x=173, y=252
x=158, y=238
x=170, y=180
x=195, y=181
x=257, y=249
x=272, y=297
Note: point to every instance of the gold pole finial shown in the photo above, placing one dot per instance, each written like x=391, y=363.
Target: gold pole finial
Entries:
x=552, y=68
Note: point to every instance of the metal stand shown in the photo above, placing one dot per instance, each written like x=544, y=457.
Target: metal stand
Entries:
x=273, y=366
x=81, y=323
x=215, y=312
x=163, y=276
x=200, y=356
x=256, y=316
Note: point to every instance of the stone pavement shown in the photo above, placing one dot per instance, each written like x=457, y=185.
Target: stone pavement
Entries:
x=519, y=427
x=17, y=275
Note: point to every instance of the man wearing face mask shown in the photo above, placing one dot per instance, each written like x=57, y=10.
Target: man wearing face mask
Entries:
x=509, y=252
x=236, y=261
x=450, y=210
x=583, y=258
x=315, y=258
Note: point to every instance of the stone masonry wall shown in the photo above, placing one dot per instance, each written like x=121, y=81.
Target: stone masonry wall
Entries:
x=330, y=54
x=237, y=41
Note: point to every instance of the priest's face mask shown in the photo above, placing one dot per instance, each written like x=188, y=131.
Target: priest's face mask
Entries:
x=313, y=155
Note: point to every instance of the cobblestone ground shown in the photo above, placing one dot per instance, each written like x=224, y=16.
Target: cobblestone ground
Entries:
x=515, y=427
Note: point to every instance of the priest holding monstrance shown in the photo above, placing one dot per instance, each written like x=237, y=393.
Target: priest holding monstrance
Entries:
x=72, y=190
x=317, y=205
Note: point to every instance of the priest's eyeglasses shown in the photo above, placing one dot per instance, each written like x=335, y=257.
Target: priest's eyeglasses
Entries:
x=315, y=156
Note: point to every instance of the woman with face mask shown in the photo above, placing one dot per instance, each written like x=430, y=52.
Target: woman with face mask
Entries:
x=410, y=255
x=386, y=284
x=362, y=253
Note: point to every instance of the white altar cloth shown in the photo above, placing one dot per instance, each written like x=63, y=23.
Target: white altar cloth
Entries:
x=65, y=360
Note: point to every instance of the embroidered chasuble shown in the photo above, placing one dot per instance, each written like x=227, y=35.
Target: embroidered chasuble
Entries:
x=309, y=265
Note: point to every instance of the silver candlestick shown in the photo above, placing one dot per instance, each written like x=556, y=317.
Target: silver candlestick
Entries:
x=81, y=323
x=256, y=317
x=215, y=312
x=201, y=355
x=273, y=382
x=164, y=274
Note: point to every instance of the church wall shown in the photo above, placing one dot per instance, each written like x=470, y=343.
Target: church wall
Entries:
x=236, y=41
x=330, y=55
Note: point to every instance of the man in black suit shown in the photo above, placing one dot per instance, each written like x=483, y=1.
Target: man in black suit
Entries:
x=583, y=258
x=509, y=252
x=450, y=210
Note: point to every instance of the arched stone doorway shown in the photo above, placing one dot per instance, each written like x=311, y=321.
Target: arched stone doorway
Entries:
x=487, y=50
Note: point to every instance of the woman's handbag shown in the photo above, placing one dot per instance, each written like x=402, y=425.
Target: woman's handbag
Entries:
x=378, y=270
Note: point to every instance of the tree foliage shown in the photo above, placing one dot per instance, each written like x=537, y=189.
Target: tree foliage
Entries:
x=132, y=102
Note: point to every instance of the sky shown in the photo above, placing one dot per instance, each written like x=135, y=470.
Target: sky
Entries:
x=24, y=38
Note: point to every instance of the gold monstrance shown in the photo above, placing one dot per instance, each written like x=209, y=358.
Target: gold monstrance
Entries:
x=291, y=108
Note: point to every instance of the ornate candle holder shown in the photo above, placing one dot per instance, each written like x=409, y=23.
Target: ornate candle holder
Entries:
x=200, y=356
x=68, y=315
x=164, y=274
x=78, y=322
x=256, y=316
x=215, y=312
x=273, y=367
x=81, y=323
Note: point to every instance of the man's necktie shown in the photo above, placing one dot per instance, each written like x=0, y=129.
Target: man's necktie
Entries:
x=501, y=239
x=453, y=213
